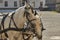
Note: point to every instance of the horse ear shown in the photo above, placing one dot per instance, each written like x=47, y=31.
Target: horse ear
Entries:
x=27, y=4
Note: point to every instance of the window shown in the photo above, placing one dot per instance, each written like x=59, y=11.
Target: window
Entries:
x=41, y=4
x=33, y=4
x=23, y=2
x=15, y=3
x=6, y=3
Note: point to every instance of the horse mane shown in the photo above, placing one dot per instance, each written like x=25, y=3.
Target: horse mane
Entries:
x=11, y=13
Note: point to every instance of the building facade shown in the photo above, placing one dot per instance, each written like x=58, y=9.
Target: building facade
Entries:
x=9, y=3
x=37, y=3
x=44, y=4
x=17, y=3
x=51, y=4
x=58, y=5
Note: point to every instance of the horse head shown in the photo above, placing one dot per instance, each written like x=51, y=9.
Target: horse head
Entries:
x=33, y=19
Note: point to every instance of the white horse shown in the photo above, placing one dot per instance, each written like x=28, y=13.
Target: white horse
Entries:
x=17, y=19
x=35, y=21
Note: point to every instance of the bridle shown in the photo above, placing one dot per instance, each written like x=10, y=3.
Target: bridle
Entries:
x=32, y=29
x=29, y=21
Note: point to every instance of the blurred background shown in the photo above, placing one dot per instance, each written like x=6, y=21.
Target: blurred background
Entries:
x=42, y=5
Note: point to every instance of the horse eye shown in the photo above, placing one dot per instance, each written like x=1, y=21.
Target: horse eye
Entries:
x=25, y=8
x=29, y=8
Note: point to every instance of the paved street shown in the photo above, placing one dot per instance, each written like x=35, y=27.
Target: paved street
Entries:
x=51, y=22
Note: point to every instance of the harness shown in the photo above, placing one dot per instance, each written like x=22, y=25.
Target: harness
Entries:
x=32, y=26
x=2, y=23
x=17, y=29
x=12, y=19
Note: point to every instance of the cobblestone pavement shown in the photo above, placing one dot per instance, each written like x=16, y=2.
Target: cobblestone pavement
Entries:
x=51, y=22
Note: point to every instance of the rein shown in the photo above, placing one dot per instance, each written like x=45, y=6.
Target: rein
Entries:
x=12, y=19
x=2, y=22
x=32, y=29
x=30, y=21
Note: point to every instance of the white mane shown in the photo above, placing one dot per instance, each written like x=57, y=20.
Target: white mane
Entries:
x=21, y=8
x=11, y=13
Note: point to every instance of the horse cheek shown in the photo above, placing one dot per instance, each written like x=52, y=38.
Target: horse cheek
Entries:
x=38, y=30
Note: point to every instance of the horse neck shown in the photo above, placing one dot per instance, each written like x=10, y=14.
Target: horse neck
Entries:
x=18, y=17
